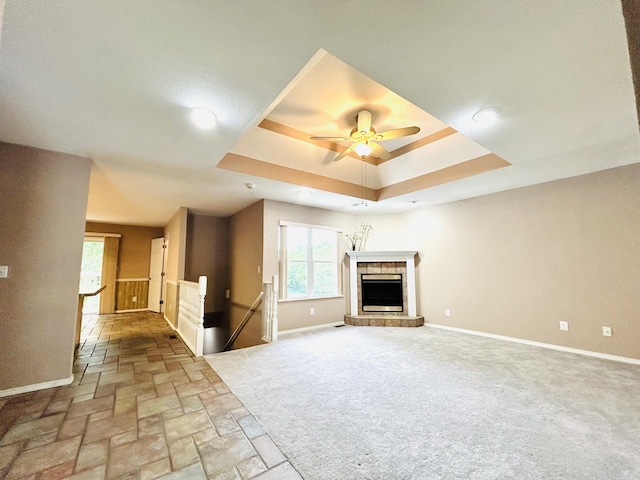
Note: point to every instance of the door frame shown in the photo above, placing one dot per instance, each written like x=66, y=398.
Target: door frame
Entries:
x=161, y=264
x=109, y=270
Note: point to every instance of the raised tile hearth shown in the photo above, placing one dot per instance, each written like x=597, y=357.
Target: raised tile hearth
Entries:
x=383, y=321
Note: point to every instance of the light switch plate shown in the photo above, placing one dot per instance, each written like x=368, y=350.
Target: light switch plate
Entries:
x=4, y=271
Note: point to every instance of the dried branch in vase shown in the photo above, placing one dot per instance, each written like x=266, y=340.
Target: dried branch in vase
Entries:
x=358, y=241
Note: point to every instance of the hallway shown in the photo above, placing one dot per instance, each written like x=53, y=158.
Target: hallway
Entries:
x=140, y=407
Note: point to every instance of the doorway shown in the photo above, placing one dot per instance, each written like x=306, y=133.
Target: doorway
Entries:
x=99, y=269
x=91, y=272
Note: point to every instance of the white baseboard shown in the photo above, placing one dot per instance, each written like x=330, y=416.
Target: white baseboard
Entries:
x=36, y=386
x=589, y=353
x=169, y=322
x=181, y=337
x=133, y=310
x=307, y=329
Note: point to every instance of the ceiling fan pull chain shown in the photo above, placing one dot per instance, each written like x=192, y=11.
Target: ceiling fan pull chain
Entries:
x=363, y=171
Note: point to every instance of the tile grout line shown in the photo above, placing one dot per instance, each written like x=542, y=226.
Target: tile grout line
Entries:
x=104, y=338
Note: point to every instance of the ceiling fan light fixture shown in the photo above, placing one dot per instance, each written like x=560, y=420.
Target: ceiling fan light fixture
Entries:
x=363, y=149
x=203, y=118
x=363, y=134
x=486, y=116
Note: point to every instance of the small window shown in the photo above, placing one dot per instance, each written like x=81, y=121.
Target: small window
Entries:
x=309, y=261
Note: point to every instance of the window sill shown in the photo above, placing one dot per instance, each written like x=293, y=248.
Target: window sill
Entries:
x=307, y=299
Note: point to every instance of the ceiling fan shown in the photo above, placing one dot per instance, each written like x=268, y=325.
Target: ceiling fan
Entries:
x=365, y=138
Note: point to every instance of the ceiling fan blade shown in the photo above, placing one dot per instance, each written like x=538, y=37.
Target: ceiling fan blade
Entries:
x=397, y=133
x=345, y=153
x=338, y=139
x=379, y=151
x=364, y=121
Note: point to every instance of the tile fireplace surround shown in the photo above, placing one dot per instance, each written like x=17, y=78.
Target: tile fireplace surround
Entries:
x=383, y=263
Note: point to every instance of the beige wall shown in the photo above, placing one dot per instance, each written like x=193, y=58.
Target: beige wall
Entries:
x=207, y=253
x=245, y=234
x=518, y=262
x=135, y=247
x=43, y=198
x=175, y=234
x=296, y=314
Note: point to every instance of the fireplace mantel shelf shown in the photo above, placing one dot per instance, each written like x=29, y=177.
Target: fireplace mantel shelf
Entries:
x=386, y=255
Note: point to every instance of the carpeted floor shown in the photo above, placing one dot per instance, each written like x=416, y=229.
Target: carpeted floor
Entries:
x=423, y=403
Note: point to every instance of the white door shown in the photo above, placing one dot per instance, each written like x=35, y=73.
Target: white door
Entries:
x=156, y=275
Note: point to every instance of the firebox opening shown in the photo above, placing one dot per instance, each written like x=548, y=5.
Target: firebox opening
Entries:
x=382, y=292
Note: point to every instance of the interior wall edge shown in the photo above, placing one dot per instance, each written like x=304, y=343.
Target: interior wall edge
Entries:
x=36, y=386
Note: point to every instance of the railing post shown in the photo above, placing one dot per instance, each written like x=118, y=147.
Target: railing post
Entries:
x=274, y=307
x=266, y=312
x=202, y=292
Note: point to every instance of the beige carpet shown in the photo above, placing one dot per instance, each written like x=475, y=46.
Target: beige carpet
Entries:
x=423, y=403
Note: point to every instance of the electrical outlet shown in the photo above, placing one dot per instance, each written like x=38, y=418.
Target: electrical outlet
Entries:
x=606, y=331
x=134, y=299
x=259, y=268
x=227, y=293
x=564, y=326
x=4, y=271
x=447, y=312
x=312, y=311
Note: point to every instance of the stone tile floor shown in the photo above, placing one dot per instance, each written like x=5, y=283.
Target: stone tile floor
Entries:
x=140, y=407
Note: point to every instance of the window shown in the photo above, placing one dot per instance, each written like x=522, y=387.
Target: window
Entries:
x=309, y=261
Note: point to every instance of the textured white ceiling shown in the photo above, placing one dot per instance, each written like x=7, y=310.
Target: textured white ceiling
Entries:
x=114, y=81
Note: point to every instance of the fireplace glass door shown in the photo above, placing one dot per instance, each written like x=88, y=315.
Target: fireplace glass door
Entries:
x=382, y=292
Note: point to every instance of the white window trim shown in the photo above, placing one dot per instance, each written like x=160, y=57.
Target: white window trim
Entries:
x=283, y=261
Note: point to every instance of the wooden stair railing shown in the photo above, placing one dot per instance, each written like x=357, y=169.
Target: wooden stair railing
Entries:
x=244, y=322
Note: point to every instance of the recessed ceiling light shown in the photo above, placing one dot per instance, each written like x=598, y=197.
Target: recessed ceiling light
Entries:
x=250, y=186
x=486, y=116
x=203, y=118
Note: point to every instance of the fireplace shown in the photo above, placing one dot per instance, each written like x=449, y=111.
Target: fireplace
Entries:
x=381, y=292
x=382, y=289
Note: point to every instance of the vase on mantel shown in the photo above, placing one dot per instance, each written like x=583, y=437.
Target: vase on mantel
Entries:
x=358, y=241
